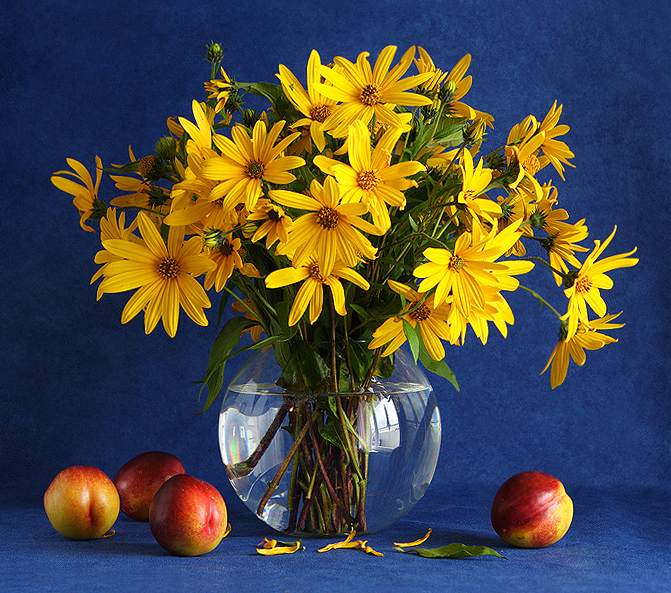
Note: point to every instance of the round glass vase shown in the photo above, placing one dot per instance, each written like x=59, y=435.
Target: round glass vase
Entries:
x=315, y=464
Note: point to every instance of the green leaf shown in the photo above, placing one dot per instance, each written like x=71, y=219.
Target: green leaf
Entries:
x=413, y=224
x=452, y=551
x=332, y=432
x=412, y=337
x=359, y=311
x=226, y=340
x=270, y=91
x=440, y=367
x=222, y=306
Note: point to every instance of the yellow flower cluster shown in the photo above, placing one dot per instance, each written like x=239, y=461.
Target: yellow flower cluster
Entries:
x=368, y=181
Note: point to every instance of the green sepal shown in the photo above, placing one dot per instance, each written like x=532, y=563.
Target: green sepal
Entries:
x=452, y=551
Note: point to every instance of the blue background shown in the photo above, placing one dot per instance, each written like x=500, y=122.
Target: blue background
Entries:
x=79, y=79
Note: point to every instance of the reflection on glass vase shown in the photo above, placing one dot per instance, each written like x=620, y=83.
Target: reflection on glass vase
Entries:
x=324, y=464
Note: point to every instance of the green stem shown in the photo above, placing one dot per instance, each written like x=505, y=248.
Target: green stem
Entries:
x=122, y=208
x=275, y=482
x=327, y=480
x=542, y=300
x=334, y=368
x=348, y=440
x=541, y=260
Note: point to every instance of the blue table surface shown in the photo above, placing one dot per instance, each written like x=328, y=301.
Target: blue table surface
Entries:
x=620, y=540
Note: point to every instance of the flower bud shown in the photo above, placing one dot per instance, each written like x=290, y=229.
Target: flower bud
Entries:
x=166, y=148
x=214, y=53
x=214, y=238
x=447, y=92
x=249, y=118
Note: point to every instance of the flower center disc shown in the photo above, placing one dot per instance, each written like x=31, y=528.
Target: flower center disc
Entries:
x=320, y=112
x=226, y=249
x=274, y=215
x=421, y=313
x=328, y=218
x=367, y=179
x=168, y=268
x=583, y=285
x=254, y=169
x=314, y=272
x=531, y=164
x=457, y=263
x=370, y=95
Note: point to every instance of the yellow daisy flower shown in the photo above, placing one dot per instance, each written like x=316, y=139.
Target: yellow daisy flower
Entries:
x=364, y=92
x=587, y=337
x=425, y=64
x=85, y=193
x=110, y=228
x=245, y=162
x=429, y=316
x=561, y=247
x=275, y=225
x=315, y=106
x=219, y=89
x=163, y=274
x=370, y=177
x=330, y=230
x=227, y=258
x=522, y=147
x=200, y=133
x=462, y=84
x=474, y=182
x=311, y=293
x=555, y=152
x=464, y=270
x=589, y=279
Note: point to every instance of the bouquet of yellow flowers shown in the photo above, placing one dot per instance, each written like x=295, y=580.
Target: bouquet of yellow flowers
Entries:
x=358, y=212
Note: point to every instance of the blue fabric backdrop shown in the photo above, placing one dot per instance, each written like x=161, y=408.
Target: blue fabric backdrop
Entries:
x=79, y=79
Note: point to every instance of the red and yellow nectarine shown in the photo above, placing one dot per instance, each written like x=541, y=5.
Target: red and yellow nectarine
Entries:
x=82, y=502
x=531, y=510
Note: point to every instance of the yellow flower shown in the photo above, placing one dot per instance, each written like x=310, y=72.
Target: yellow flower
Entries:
x=370, y=177
x=589, y=279
x=464, y=270
x=227, y=258
x=312, y=291
x=461, y=85
x=364, y=92
x=275, y=225
x=522, y=148
x=85, y=193
x=561, y=247
x=429, y=316
x=163, y=274
x=329, y=231
x=315, y=106
x=554, y=151
x=111, y=229
x=219, y=89
x=514, y=207
x=425, y=64
x=245, y=162
x=587, y=337
x=474, y=182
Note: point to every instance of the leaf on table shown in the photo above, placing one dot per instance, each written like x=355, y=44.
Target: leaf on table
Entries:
x=453, y=551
